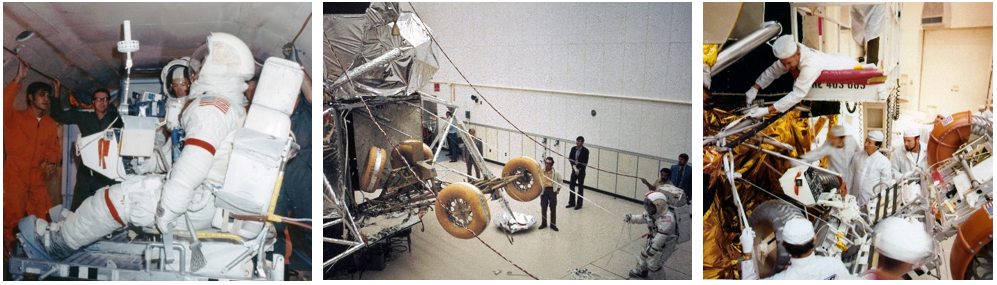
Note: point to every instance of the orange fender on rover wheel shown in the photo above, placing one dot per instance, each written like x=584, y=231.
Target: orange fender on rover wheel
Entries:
x=528, y=187
x=947, y=139
x=406, y=149
x=462, y=210
x=974, y=234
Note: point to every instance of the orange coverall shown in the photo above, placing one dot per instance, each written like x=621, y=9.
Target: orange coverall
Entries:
x=27, y=143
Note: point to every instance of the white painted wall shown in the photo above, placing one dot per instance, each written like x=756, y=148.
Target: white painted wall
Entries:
x=535, y=57
x=936, y=61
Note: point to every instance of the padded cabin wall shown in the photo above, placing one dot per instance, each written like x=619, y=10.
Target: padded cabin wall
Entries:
x=533, y=59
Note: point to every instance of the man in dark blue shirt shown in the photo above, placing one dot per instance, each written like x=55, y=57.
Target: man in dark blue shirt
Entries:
x=89, y=122
x=295, y=198
x=682, y=175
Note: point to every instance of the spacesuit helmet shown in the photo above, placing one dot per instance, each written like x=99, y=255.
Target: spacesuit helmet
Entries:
x=177, y=68
x=655, y=204
x=224, y=55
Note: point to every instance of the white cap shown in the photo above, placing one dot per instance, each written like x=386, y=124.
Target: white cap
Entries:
x=798, y=231
x=912, y=131
x=838, y=130
x=876, y=136
x=784, y=47
x=902, y=240
x=944, y=113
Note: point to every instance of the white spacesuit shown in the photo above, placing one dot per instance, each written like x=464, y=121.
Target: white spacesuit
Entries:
x=806, y=266
x=661, y=237
x=215, y=111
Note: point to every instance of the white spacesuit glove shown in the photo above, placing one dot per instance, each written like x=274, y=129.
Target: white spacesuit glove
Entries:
x=747, y=240
x=750, y=95
x=758, y=113
x=626, y=218
x=164, y=217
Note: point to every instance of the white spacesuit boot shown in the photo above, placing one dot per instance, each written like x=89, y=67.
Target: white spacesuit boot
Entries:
x=111, y=208
x=661, y=237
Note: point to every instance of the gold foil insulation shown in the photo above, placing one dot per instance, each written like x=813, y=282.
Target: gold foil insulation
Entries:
x=710, y=52
x=721, y=224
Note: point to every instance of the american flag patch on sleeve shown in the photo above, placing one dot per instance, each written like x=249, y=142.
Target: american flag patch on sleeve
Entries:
x=219, y=103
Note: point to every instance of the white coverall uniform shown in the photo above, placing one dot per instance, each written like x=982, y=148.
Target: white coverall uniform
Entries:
x=812, y=63
x=905, y=162
x=662, y=234
x=215, y=112
x=837, y=158
x=867, y=172
x=812, y=267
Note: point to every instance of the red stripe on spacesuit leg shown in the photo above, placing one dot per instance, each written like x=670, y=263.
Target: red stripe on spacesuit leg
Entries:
x=203, y=144
x=110, y=207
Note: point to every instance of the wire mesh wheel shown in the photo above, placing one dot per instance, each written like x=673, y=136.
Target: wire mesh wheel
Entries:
x=462, y=210
x=981, y=267
x=527, y=187
x=767, y=220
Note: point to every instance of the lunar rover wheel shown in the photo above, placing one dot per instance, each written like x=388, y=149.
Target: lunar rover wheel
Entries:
x=462, y=210
x=981, y=267
x=767, y=221
x=407, y=151
x=377, y=159
x=528, y=187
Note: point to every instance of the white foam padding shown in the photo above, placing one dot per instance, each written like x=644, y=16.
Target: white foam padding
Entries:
x=280, y=82
x=252, y=174
x=268, y=121
x=138, y=137
x=90, y=153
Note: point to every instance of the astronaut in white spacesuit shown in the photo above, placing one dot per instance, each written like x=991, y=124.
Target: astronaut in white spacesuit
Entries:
x=794, y=57
x=215, y=111
x=661, y=237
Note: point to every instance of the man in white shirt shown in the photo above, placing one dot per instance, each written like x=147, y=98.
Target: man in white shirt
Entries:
x=839, y=149
x=912, y=157
x=794, y=58
x=871, y=171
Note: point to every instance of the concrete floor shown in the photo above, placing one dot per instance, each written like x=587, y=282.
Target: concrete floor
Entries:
x=589, y=239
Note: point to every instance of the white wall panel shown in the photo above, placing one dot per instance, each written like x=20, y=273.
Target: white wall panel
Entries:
x=607, y=162
x=503, y=145
x=626, y=186
x=634, y=50
x=491, y=142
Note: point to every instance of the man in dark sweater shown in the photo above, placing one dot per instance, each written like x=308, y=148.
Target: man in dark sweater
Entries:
x=89, y=122
x=579, y=159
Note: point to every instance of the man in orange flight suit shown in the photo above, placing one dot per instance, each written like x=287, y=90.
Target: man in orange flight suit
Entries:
x=32, y=154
